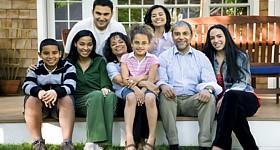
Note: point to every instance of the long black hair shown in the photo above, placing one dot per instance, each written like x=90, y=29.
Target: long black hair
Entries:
x=234, y=73
x=148, y=17
x=74, y=55
x=107, y=50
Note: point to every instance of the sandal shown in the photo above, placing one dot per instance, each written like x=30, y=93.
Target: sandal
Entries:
x=129, y=145
x=148, y=146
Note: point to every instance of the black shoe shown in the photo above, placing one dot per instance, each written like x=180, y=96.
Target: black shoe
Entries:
x=204, y=148
x=174, y=147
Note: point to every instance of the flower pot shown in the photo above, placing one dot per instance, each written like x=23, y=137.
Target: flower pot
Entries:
x=9, y=87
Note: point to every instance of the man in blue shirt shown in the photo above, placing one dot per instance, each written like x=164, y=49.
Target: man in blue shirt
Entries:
x=188, y=86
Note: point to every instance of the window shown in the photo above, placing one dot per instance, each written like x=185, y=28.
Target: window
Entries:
x=129, y=12
x=67, y=13
x=229, y=8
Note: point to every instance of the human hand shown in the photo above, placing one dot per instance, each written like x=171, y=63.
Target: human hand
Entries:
x=131, y=83
x=140, y=96
x=41, y=94
x=50, y=98
x=168, y=92
x=204, y=96
x=105, y=91
x=32, y=67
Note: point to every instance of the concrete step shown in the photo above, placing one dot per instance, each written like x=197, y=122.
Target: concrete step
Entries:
x=266, y=133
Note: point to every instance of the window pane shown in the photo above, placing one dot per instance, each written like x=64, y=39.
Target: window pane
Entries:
x=242, y=1
x=241, y=11
x=229, y=1
x=215, y=11
x=72, y=24
x=194, y=12
x=59, y=26
x=169, y=2
x=61, y=11
x=194, y=1
x=133, y=2
x=136, y=15
x=75, y=11
x=228, y=11
x=182, y=1
x=123, y=15
x=184, y=12
x=216, y=1
x=122, y=2
x=148, y=2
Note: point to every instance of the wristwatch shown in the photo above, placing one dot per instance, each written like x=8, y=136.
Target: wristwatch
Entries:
x=209, y=90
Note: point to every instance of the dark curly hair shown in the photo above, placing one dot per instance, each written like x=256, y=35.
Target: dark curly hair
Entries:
x=107, y=50
x=148, y=16
x=74, y=55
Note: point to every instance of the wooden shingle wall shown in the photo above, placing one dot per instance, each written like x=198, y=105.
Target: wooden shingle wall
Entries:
x=18, y=32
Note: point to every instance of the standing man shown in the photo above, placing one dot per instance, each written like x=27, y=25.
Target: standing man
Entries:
x=188, y=86
x=100, y=24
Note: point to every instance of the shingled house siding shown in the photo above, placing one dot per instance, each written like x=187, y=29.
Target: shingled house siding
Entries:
x=18, y=30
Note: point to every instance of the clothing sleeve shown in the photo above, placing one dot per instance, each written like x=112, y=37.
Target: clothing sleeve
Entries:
x=243, y=62
x=155, y=60
x=207, y=76
x=30, y=85
x=124, y=58
x=112, y=70
x=104, y=79
x=69, y=82
x=162, y=71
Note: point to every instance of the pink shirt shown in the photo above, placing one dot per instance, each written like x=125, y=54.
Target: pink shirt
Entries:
x=136, y=67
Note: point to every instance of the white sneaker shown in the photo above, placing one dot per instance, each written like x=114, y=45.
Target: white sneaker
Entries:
x=97, y=147
x=89, y=146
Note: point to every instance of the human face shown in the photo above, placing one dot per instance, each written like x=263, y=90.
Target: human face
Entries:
x=140, y=45
x=118, y=46
x=84, y=46
x=217, y=38
x=101, y=16
x=50, y=55
x=158, y=17
x=182, y=38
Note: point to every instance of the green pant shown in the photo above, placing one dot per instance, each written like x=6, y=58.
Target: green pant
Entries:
x=185, y=105
x=99, y=112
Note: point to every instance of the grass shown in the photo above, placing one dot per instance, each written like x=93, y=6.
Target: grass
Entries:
x=78, y=147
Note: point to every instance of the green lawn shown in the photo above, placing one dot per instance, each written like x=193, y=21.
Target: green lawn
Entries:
x=77, y=147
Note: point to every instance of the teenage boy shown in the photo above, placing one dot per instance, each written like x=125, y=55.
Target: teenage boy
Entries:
x=48, y=89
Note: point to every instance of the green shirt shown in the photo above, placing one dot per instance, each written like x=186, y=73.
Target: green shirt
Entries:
x=94, y=78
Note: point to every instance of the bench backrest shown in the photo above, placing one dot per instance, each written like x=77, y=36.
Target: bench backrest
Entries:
x=259, y=36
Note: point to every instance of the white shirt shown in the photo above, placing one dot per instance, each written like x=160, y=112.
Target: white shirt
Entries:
x=100, y=36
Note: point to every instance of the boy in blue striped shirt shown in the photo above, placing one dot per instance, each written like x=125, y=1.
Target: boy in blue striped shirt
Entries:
x=48, y=89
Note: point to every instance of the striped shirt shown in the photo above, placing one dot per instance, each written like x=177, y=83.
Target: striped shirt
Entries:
x=62, y=79
x=137, y=68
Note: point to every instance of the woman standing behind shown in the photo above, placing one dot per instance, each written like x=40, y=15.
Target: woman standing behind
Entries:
x=238, y=100
x=158, y=17
x=93, y=97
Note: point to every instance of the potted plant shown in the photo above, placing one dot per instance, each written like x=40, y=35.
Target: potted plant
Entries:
x=9, y=66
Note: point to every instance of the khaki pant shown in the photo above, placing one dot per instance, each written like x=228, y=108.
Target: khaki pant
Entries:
x=99, y=112
x=185, y=105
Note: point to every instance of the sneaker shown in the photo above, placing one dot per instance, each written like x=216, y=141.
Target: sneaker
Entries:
x=39, y=145
x=89, y=146
x=68, y=145
x=92, y=146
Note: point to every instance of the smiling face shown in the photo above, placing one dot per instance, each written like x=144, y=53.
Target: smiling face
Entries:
x=140, y=45
x=217, y=38
x=182, y=38
x=84, y=46
x=50, y=55
x=118, y=46
x=158, y=17
x=101, y=16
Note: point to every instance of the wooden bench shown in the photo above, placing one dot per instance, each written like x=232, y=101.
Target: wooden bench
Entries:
x=259, y=36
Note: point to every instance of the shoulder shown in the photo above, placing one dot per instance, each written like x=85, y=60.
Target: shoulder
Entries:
x=168, y=53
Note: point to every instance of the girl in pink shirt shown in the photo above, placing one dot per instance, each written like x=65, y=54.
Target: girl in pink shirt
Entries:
x=137, y=66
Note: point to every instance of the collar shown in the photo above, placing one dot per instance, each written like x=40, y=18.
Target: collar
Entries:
x=176, y=51
x=131, y=54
